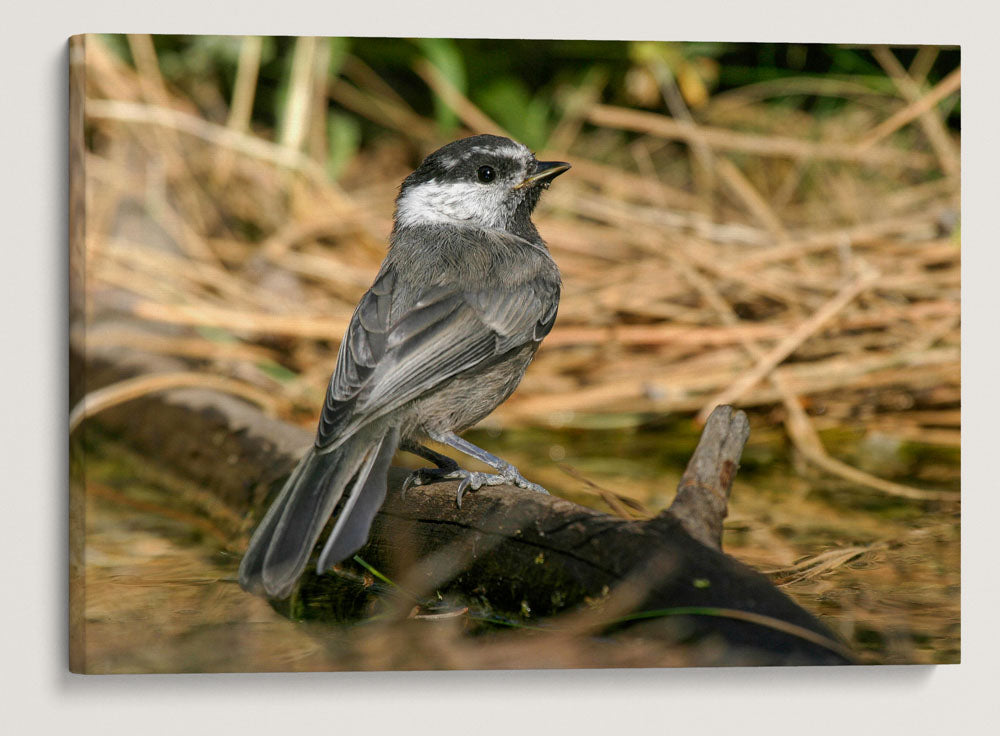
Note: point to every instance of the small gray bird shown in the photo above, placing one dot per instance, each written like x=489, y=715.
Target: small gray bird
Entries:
x=444, y=335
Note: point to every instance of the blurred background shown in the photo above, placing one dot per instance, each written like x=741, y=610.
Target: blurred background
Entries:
x=775, y=226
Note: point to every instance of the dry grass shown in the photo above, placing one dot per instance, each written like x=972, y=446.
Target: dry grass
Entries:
x=816, y=273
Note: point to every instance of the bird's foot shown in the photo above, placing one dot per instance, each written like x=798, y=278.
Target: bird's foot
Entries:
x=513, y=476
x=470, y=480
x=423, y=477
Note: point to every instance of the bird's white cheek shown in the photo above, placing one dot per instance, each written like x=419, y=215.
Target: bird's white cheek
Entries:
x=431, y=203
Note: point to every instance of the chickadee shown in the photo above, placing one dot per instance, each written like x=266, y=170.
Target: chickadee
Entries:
x=465, y=295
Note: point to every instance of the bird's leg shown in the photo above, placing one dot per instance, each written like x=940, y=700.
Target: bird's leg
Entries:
x=422, y=476
x=442, y=461
x=472, y=480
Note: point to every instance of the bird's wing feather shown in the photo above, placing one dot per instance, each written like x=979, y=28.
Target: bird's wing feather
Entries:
x=361, y=350
x=386, y=362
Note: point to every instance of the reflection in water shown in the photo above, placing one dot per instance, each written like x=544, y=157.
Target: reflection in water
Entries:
x=161, y=559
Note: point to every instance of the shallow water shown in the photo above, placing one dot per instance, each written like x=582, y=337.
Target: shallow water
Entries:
x=161, y=557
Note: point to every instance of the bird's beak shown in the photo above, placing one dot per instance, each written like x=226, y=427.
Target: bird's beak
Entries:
x=545, y=171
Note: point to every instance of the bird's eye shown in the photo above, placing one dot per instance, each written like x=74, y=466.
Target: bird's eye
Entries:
x=486, y=174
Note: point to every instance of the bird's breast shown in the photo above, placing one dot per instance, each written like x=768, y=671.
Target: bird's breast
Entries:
x=471, y=396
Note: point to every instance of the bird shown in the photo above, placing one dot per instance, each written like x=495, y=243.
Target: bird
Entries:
x=465, y=295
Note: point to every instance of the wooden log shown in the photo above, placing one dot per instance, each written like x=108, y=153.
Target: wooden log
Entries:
x=510, y=554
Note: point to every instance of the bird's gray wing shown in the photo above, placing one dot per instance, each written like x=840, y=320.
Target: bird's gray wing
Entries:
x=361, y=349
x=385, y=362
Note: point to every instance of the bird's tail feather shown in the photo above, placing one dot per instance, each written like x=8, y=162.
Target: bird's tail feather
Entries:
x=280, y=547
x=365, y=498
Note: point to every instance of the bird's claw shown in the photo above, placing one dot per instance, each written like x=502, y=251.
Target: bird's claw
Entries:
x=513, y=477
x=411, y=480
x=528, y=485
x=462, y=485
x=469, y=480
x=472, y=481
x=419, y=477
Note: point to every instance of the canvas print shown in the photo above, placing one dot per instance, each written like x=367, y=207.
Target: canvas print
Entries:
x=428, y=353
